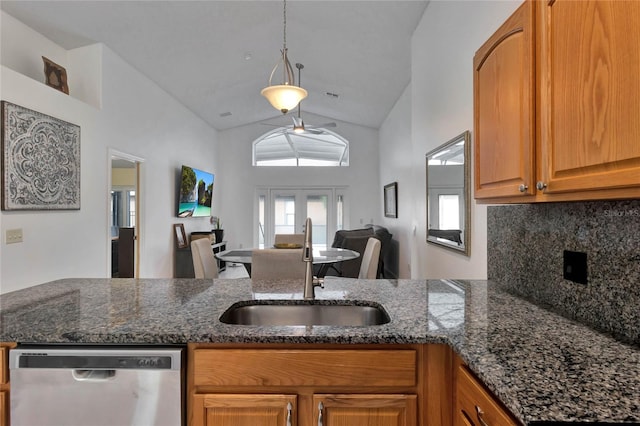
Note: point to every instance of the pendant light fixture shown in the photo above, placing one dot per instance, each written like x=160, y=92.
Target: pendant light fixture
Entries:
x=287, y=95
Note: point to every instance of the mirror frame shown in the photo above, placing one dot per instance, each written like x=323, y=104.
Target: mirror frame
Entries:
x=466, y=249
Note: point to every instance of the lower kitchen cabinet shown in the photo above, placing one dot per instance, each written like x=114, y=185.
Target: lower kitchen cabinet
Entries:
x=475, y=405
x=365, y=410
x=281, y=410
x=243, y=409
x=4, y=408
x=306, y=385
x=4, y=383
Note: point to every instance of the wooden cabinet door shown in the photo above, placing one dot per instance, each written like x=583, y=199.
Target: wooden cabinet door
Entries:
x=589, y=106
x=476, y=406
x=365, y=410
x=504, y=96
x=243, y=410
x=4, y=408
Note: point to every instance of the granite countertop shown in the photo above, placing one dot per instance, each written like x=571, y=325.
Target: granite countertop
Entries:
x=543, y=367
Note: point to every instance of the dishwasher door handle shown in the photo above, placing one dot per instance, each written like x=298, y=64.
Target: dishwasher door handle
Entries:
x=82, y=375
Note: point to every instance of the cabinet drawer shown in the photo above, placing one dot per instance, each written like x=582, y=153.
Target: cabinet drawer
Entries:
x=4, y=370
x=270, y=367
x=475, y=403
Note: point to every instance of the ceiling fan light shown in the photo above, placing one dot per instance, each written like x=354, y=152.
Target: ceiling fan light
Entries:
x=298, y=128
x=284, y=97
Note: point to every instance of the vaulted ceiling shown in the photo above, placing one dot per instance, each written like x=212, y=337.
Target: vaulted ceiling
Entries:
x=216, y=56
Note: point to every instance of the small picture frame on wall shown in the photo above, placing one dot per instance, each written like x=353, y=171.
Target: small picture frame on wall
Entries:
x=55, y=75
x=391, y=200
x=181, y=236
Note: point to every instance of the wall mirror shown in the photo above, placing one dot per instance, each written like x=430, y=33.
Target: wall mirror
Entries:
x=448, y=194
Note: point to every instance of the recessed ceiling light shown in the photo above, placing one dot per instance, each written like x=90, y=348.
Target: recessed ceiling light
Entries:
x=225, y=114
x=248, y=56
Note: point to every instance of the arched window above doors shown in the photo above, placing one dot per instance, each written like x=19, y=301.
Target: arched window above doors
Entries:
x=315, y=147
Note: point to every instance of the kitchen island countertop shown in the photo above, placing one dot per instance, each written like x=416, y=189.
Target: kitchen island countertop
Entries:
x=544, y=367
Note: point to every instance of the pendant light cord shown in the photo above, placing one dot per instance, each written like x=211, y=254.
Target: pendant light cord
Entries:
x=284, y=20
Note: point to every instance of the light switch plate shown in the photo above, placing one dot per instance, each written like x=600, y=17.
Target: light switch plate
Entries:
x=13, y=236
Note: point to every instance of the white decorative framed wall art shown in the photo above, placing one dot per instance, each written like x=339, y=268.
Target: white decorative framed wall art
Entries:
x=40, y=161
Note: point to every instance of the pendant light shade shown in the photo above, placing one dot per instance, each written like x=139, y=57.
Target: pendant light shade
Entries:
x=285, y=96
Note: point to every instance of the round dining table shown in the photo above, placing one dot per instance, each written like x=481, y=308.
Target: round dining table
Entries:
x=322, y=257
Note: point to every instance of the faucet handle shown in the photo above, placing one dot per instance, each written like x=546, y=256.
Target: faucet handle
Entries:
x=318, y=282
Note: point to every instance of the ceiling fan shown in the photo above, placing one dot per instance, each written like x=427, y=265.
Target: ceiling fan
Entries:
x=298, y=124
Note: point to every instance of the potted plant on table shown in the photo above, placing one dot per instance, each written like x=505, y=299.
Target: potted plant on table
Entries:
x=217, y=229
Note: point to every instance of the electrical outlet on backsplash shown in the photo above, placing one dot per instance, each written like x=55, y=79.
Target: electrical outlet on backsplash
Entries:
x=525, y=246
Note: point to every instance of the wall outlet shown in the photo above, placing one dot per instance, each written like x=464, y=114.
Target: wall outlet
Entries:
x=575, y=266
x=13, y=236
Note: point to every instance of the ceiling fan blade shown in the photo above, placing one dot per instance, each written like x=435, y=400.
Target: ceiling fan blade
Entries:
x=325, y=125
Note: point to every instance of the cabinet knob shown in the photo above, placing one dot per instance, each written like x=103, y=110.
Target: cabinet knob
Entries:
x=523, y=187
x=541, y=185
x=479, y=415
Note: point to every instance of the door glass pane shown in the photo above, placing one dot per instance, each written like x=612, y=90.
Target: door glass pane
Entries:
x=318, y=212
x=285, y=214
x=132, y=209
x=261, y=220
x=339, y=212
x=449, y=214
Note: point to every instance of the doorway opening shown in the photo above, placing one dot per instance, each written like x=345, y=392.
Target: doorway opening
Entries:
x=123, y=255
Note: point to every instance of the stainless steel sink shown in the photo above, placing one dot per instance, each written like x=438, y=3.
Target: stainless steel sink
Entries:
x=306, y=313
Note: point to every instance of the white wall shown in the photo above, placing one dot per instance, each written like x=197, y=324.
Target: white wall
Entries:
x=238, y=179
x=443, y=46
x=137, y=118
x=395, y=166
x=441, y=107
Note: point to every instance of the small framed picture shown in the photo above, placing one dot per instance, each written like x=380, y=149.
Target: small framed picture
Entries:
x=181, y=236
x=55, y=75
x=391, y=200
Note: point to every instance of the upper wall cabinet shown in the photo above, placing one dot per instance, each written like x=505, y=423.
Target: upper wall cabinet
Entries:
x=556, y=105
x=504, y=94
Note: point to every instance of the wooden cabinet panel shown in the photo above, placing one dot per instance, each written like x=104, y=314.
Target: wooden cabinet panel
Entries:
x=283, y=367
x=475, y=405
x=504, y=95
x=589, y=105
x=243, y=410
x=4, y=365
x=365, y=410
x=4, y=408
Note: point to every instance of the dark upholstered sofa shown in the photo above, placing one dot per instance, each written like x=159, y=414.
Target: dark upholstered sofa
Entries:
x=356, y=239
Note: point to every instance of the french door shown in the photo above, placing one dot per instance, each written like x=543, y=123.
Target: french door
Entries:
x=285, y=210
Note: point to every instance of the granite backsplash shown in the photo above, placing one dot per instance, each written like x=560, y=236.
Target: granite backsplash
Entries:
x=525, y=245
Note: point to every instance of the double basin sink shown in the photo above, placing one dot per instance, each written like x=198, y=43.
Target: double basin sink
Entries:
x=305, y=313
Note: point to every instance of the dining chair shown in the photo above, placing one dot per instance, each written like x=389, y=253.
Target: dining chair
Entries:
x=289, y=239
x=271, y=264
x=369, y=265
x=204, y=262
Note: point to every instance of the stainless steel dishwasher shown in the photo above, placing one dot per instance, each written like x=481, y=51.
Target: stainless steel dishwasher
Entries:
x=76, y=386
